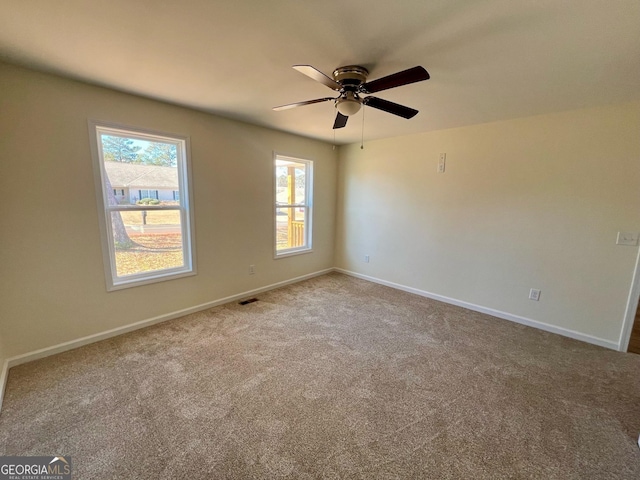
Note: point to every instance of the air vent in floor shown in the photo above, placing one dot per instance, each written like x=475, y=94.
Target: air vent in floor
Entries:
x=245, y=302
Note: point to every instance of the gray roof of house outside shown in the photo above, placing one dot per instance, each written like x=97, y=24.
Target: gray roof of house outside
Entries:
x=132, y=175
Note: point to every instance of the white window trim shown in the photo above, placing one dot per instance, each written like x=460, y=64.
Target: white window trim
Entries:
x=185, y=183
x=308, y=248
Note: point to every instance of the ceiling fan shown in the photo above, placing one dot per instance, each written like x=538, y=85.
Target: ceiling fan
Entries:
x=350, y=82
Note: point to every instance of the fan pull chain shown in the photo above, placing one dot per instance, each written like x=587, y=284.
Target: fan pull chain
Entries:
x=334, y=138
x=362, y=139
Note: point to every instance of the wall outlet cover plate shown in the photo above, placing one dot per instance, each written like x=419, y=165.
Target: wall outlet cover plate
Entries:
x=627, y=238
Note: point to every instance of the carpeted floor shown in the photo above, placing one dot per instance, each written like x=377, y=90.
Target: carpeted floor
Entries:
x=333, y=377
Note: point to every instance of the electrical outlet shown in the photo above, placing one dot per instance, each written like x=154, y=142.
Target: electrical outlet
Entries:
x=534, y=294
x=442, y=160
x=627, y=238
x=366, y=259
x=252, y=269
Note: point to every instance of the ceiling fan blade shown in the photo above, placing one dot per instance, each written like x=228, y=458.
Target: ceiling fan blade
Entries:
x=300, y=104
x=318, y=76
x=341, y=121
x=390, y=107
x=412, y=75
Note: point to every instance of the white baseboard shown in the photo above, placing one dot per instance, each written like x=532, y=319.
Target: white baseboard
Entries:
x=490, y=311
x=4, y=373
x=630, y=310
x=63, y=347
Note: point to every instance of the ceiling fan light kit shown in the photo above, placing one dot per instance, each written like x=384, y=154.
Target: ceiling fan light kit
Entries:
x=349, y=104
x=351, y=82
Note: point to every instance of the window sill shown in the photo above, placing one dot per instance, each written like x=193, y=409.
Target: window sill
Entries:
x=122, y=284
x=291, y=253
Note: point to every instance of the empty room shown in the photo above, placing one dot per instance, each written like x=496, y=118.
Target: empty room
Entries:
x=296, y=239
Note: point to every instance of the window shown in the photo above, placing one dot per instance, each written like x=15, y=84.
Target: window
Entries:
x=148, y=237
x=293, y=202
x=152, y=194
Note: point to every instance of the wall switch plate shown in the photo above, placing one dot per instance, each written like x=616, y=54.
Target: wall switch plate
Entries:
x=534, y=294
x=366, y=259
x=442, y=160
x=627, y=238
x=252, y=269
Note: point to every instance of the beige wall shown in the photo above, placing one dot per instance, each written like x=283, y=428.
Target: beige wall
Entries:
x=528, y=203
x=53, y=288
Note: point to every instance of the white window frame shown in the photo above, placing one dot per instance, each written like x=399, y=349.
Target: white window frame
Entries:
x=113, y=281
x=308, y=205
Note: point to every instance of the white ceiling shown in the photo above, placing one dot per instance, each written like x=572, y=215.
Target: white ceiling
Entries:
x=488, y=60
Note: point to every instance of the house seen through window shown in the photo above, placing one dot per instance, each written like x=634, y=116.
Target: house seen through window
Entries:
x=293, y=195
x=146, y=215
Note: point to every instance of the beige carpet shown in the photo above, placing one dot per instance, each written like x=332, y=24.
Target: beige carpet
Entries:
x=331, y=378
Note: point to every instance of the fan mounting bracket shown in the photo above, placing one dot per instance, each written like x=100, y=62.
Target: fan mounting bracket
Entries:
x=350, y=75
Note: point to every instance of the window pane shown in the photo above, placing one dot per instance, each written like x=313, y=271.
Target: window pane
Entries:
x=147, y=241
x=290, y=178
x=146, y=170
x=299, y=172
x=139, y=171
x=299, y=214
x=292, y=194
x=290, y=227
